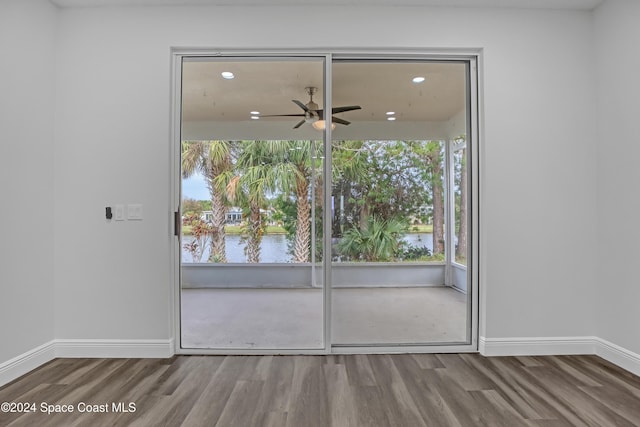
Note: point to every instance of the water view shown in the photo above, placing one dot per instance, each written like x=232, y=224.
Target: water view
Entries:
x=274, y=247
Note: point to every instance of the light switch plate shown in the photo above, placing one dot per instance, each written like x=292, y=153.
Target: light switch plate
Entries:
x=134, y=212
x=119, y=213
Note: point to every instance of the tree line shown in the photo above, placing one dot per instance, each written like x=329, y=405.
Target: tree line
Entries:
x=379, y=189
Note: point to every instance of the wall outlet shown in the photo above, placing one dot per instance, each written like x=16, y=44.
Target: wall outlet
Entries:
x=134, y=212
x=119, y=216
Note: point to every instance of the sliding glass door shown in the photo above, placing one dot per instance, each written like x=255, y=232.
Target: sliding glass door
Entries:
x=306, y=228
x=251, y=165
x=393, y=230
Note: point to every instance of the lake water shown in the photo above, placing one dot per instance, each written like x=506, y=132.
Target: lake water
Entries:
x=274, y=247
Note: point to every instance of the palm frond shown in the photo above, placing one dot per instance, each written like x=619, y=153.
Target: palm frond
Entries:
x=192, y=158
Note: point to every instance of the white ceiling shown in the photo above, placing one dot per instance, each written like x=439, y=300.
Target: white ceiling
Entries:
x=269, y=86
x=213, y=106
x=529, y=4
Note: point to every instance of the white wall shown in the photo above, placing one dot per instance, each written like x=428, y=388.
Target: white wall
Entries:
x=617, y=64
x=27, y=43
x=112, y=279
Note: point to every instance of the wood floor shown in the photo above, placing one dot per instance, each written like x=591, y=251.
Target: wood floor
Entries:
x=355, y=390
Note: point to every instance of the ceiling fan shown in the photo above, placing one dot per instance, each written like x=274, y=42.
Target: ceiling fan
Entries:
x=312, y=113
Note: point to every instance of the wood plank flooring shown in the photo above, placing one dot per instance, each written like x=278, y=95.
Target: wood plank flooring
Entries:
x=408, y=390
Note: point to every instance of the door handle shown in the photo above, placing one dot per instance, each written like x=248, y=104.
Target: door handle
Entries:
x=176, y=224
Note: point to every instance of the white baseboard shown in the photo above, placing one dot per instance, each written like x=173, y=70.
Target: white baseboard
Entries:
x=28, y=361
x=619, y=356
x=613, y=353
x=38, y=356
x=537, y=346
x=115, y=348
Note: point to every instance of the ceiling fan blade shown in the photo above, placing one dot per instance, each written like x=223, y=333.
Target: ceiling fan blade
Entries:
x=281, y=115
x=300, y=123
x=300, y=104
x=335, y=110
x=339, y=120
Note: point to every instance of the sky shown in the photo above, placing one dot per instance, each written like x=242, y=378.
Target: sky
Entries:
x=195, y=188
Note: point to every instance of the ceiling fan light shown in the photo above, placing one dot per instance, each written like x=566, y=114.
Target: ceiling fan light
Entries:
x=321, y=124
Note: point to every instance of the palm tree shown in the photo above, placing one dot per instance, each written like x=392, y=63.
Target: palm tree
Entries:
x=211, y=159
x=431, y=159
x=377, y=240
x=267, y=167
x=259, y=170
x=300, y=175
x=434, y=160
x=243, y=193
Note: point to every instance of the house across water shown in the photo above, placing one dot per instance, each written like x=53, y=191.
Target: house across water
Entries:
x=234, y=215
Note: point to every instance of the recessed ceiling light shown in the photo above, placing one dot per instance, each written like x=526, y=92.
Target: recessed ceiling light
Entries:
x=418, y=79
x=255, y=117
x=255, y=113
x=390, y=113
x=391, y=118
x=227, y=75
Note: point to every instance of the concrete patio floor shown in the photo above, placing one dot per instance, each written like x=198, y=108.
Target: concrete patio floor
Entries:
x=292, y=318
